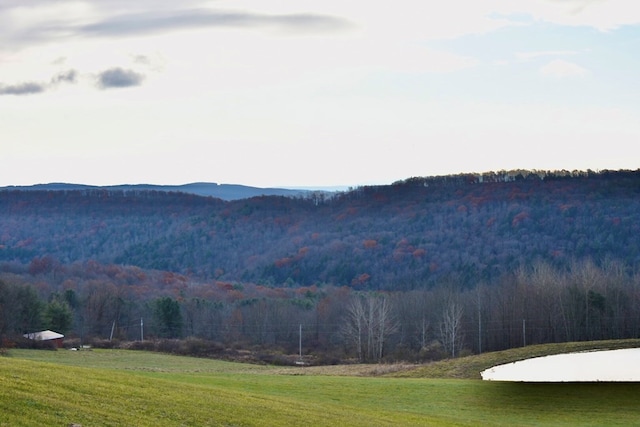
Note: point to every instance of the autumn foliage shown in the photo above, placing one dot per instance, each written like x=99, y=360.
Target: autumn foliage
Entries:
x=251, y=271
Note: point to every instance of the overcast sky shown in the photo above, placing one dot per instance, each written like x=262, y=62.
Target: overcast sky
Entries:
x=314, y=93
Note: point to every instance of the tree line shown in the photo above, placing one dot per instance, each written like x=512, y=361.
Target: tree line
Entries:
x=538, y=303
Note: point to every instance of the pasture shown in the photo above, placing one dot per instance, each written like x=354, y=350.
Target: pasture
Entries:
x=119, y=387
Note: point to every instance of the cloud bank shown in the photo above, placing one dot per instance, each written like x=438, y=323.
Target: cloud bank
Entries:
x=160, y=22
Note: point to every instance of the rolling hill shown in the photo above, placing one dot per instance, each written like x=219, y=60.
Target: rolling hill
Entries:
x=467, y=228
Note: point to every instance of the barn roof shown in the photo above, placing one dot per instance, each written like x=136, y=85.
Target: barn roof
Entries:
x=44, y=335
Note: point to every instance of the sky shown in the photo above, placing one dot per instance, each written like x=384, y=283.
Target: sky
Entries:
x=300, y=93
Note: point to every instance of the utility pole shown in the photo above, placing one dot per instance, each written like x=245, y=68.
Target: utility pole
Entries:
x=524, y=332
x=300, y=362
x=300, y=342
x=479, y=321
x=479, y=332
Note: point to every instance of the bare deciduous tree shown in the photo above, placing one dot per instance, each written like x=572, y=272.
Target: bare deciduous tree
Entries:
x=451, y=328
x=353, y=327
x=368, y=323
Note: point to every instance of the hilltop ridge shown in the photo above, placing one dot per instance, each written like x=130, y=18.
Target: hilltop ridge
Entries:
x=210, y=189
x=473, y=227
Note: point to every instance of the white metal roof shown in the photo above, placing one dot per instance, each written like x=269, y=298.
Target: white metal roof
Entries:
x=44, y=335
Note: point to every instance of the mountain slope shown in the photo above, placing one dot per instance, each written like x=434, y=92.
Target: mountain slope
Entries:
x=467, y=228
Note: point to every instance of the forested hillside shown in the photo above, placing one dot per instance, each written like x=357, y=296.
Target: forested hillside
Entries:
x=467, y=228
x=417, y=270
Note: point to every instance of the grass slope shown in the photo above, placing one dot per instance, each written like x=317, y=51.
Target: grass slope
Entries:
x=116, y=387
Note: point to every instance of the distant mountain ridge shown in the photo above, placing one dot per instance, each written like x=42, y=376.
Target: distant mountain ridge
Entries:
x=208, y=189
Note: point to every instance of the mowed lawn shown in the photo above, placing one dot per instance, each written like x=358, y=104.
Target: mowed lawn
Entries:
x=128, y=388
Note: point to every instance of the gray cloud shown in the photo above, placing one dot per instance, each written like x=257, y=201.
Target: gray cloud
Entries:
x=112, y=78
x=28, y=88
x=65, y=77
x=153, y=17
x=149, y=23
x=119, y=78
x=305, y=22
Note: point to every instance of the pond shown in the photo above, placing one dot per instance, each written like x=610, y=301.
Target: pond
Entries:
x=591, y=366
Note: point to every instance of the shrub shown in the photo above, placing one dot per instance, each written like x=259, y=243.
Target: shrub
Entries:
x=275, y=359
x=327, y=358
x=200, y=348
x=432, y=351
x=6, y=344
x=401, y=353
x=139, y=345
x=35, y=344
x=172, y=346
x=103, y=343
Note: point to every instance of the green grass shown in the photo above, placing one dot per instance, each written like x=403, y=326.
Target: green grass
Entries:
x=127, y=388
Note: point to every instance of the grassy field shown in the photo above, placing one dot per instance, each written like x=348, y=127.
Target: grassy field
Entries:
x=127, y=388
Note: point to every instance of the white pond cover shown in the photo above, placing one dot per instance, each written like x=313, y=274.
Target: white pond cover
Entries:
x=593, y=366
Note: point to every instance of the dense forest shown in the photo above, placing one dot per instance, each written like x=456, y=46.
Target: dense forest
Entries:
x=422, y=268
